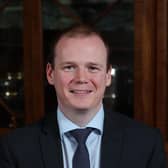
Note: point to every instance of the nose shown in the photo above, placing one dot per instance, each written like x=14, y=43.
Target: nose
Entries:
x=81, y=76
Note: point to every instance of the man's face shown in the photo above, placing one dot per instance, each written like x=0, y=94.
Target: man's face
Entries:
x=80, y=73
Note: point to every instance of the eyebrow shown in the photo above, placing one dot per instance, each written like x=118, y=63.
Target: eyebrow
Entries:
x=95, y=64
x=67, y=62
x=88, y=63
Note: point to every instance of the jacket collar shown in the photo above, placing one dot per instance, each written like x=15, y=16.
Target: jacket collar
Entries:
x=50, y=142
x=111, y=141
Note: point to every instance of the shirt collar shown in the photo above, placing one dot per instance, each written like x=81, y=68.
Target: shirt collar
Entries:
x=66, y=125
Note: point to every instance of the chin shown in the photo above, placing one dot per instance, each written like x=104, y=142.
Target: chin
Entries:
x=82, y=108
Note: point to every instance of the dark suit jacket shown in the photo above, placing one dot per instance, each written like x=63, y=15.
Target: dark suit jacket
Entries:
x=125, y=144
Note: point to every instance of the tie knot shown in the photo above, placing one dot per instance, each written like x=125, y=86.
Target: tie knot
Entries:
x=81, y=134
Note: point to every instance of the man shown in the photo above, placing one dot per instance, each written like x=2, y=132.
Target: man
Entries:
x=79, y=70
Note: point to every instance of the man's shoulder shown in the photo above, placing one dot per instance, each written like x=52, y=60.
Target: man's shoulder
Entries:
x=24, y=134
x=134, y=127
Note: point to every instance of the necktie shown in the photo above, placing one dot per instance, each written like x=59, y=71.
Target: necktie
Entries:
x=81, y=156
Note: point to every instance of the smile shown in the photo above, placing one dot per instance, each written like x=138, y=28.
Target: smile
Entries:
x=80, y=91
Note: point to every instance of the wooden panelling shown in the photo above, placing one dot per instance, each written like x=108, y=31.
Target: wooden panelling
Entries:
x=33, y=61
x=166, y=146
x=144, y=61
x=151, y=64
x=162, y=68
x=4, y=131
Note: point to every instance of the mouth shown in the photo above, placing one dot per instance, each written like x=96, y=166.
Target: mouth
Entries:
x=81, y=92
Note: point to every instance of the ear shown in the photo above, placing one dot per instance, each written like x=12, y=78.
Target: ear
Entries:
x=108, y=77
x=50, y=74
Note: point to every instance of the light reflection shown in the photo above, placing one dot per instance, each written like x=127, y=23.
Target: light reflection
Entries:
x=6, y=83
x=19, y=75
x=113, y=71
x=9, y=76
x=7, y=94
x=113, y=95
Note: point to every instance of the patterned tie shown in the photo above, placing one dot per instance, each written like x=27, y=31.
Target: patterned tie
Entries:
x=81, y=156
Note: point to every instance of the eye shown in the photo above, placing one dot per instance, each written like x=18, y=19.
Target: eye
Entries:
x=93, y=68
x=69, y=68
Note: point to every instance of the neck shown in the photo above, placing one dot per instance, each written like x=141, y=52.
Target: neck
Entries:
x=78, y=116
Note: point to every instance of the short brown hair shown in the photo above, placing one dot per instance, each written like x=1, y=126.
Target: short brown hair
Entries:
x=79, y=30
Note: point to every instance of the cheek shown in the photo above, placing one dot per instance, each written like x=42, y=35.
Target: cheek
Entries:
x=62, y=80
x=99, y=81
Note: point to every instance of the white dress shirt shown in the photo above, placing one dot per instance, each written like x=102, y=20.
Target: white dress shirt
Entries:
x=93, y=141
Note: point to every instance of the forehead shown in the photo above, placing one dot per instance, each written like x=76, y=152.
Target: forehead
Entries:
x=81, y=46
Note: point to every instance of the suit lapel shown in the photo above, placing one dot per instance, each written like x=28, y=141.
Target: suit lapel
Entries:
x=50, y=143
x=111, y=141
